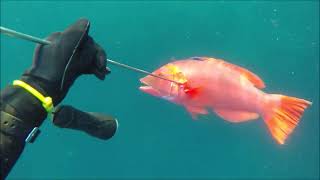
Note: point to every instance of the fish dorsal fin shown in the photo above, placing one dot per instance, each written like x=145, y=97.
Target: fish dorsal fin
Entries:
x=236, y=116
x=198, y=58
x=251, y=77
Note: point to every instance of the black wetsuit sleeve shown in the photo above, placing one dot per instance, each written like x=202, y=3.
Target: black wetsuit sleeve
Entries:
x=20, y=113
x=55, y=68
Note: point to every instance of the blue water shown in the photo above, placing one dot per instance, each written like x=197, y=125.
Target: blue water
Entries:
x=157, y=139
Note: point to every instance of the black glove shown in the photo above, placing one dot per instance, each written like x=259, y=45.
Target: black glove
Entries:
x=55, y=67
x=95, y=124
x=71, y=53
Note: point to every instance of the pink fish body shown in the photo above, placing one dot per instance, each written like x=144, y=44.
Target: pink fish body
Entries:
x=230, y=91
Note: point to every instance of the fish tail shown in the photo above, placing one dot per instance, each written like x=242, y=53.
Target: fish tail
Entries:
x=282, y=114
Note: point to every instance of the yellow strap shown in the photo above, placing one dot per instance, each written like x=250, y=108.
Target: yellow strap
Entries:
x=46, y=101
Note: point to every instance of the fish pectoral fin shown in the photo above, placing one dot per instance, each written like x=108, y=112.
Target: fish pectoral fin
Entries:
x=195, y=111
x=236, y=116
x=192, y=92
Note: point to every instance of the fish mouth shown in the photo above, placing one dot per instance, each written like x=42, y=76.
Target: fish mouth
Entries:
x=144, y=82
x=147, y=88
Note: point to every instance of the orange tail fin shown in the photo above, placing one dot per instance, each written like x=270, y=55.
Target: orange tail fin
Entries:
x=283, y=114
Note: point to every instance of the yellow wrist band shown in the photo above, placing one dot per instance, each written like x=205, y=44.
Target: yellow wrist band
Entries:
x=46, y=101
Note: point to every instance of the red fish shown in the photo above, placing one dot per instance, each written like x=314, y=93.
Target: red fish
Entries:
x=232, y=92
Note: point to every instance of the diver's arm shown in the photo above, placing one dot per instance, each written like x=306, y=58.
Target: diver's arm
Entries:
x=20, y=113
x=55, y=68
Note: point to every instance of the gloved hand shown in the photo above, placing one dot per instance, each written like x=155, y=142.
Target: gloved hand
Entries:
x=55, y=68
x=71, y=53
x=95, y=124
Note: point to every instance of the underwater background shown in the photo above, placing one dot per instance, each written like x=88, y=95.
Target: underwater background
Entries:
x=279, y=41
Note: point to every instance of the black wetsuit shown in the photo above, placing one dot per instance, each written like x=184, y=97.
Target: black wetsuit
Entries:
x=55, y=68
x=20, y=113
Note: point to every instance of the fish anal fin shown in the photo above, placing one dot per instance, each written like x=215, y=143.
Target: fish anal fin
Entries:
x=236, y=116
x=195, y=111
